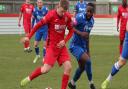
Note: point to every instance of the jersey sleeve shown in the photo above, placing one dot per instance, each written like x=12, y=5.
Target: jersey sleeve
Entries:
x=70, y=28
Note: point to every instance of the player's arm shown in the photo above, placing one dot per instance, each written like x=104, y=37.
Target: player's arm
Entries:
x=33, y=18
x=118, y=18
x=19, y=20
x=20, y=15
x=68, y=36
x=127, y=26
x=76, y=22
x=33, y=21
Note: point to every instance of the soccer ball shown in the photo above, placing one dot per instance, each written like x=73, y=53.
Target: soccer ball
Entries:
x=48, y=88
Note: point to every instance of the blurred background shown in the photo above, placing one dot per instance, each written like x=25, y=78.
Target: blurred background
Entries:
x=102, y=6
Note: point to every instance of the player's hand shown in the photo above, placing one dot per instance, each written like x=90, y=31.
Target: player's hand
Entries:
x=117, y=29
x=24, y=39
x=61, y=44
x=19, y=24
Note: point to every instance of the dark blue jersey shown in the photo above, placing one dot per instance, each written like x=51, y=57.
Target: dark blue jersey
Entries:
x=80, y=7
x=38, y=14
x=83, y=25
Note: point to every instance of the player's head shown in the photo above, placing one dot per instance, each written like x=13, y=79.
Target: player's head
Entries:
x=81, y=0
x=124, y=3
x=62, y=7
x=39, y=4
x=27, y=1
x=89, y=10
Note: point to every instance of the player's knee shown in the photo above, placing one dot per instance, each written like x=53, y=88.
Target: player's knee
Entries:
x=67, y=68
x=35, y=44
x=122, y=62
x=45, y=69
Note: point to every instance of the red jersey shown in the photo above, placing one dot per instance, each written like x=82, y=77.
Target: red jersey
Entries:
x=122, y=17
x=27, y=10
x=56, y=27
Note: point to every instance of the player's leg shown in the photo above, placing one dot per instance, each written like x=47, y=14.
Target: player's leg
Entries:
x=65, y=77
x=64, y=59
x=27, y=44
x=38, y=37
x=44, y=43
x=37, y=50
x=77, y=52
x=37, y=72
x=119, y=64
x=86, y=61
x=48, y=64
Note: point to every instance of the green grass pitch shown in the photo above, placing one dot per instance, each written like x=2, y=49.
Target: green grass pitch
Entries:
x=15, y=65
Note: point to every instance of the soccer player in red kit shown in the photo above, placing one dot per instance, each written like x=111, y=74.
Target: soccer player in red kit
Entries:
x=122, y=19
x=57, y=21
x=26, y=11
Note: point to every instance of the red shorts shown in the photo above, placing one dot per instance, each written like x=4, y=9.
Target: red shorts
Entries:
x=27, y=27
x=54, y=54
x=122, y=34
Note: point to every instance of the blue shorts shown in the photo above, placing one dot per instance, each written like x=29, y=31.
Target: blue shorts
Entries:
x=40, y=35
x=124, y=54
x=77, y=51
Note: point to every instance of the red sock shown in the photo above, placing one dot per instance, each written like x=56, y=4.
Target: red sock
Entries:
x=121, y=49
x=65, y=81
x=35, y=73
x=26, y=44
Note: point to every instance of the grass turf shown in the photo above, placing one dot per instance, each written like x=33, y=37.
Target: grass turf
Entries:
x=15, y=65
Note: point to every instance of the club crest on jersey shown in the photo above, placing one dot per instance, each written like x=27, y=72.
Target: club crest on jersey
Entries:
x=125, y=14
x=59, y=28
x=28, y=10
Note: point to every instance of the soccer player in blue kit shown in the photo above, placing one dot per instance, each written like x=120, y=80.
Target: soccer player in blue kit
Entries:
x=120, y=63
x=39, y=12
x=80, y=7
x=79, y=46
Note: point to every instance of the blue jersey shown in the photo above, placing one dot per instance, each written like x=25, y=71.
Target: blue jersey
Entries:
x=38, y=15
x=83, y=25
x=80, y=7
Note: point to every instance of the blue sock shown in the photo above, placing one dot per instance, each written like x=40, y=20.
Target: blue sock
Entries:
x=37, y=50
x=88, y=69
x=115, y=69
x=77, y=74
x=44, y=51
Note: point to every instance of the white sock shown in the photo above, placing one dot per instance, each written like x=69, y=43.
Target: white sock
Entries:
x=90, y=82
x=109, y=78
x=72, y=82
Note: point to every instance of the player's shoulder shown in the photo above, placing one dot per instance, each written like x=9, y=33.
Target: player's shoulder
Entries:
x=68, y=14
x=23, y=5
x=31, y=6
x=80, y=16
x=51, y=13
x=45, y=8
x=120, y=7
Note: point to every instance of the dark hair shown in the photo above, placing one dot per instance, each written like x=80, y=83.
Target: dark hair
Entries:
x=92, y=5
x=64, y=4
